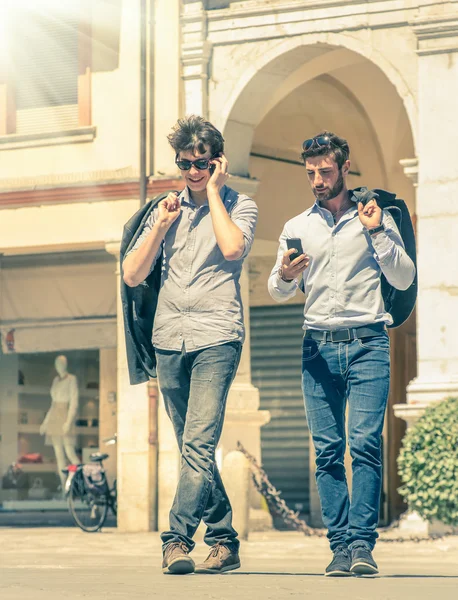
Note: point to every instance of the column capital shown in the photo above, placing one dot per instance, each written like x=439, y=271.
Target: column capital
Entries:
x=437, y=35
x=195, y=57
x=410, y=167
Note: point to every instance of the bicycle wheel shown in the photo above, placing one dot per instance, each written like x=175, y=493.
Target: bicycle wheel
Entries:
x=87, y=510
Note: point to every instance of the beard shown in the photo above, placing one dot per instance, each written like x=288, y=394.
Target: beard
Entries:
x=333, y=192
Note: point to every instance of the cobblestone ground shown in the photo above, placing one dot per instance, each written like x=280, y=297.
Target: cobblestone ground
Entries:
x=54, y=564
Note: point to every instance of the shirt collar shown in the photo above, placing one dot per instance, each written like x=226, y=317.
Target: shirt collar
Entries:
x=185, y=197
x=317, y=208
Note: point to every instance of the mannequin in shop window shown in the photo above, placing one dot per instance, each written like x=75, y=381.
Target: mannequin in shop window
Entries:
x=59, y=423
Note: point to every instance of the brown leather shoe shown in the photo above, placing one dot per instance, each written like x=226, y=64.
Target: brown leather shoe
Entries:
x=176, y=560
x=220, y=559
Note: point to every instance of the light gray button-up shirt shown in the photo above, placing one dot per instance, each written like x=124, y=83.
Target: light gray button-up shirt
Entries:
x=342, y=281
x=199, y=301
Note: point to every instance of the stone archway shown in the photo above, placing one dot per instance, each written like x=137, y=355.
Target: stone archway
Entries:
x=263, y=79
x=294, y=91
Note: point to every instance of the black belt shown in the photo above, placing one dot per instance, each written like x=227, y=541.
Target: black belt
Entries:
x=345, y=335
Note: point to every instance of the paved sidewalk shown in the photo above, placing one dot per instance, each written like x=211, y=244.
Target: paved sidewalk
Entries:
x=55, y=564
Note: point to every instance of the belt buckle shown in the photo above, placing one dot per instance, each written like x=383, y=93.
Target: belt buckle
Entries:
x=341, y=331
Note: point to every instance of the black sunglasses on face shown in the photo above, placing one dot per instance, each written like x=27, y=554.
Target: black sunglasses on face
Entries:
x=200, y=163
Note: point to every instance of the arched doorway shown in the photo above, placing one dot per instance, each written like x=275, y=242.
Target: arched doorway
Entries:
x=285, y=98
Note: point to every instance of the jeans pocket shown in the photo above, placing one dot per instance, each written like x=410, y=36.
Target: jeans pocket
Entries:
x=310, y=349
x=377, y=342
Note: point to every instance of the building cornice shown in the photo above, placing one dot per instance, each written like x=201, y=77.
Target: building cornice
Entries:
x=255, y=8
x=436, y=35
x=255, y=21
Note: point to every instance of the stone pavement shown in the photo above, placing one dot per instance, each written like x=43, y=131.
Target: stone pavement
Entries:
x=65, y=563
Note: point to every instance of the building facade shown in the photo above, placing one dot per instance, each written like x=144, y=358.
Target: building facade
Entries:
x=383, y=74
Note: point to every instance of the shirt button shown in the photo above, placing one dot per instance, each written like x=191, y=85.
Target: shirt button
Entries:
x=189, y=248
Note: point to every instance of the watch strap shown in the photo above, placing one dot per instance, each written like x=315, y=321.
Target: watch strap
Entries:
x=377, y=229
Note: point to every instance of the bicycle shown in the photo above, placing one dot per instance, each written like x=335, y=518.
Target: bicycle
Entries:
x=88, y=493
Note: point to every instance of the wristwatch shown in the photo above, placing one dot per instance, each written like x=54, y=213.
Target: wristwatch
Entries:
x=377, y=229
x=280, y=274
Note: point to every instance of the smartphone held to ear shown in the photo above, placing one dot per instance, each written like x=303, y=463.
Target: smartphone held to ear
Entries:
x=297, y=245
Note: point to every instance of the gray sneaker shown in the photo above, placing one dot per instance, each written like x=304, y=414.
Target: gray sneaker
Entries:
x=362, y=562
x=340, y=564
x=220, y=560
x=176, y=560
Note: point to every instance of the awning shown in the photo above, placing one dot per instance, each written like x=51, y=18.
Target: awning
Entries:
x=57, y=302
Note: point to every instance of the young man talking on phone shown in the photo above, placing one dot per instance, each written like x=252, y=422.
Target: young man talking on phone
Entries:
x=204, y=235
x=346, y=351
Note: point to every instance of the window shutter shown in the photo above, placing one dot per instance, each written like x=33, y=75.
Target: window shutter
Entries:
x=45, y=74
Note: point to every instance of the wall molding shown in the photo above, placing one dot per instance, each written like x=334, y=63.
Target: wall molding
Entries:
x=436, y=35
x=86, y=192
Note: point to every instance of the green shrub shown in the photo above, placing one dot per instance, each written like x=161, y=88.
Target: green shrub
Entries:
x=428, y=463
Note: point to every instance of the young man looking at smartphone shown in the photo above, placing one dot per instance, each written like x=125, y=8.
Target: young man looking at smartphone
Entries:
x=346, y=350
x=205, y=233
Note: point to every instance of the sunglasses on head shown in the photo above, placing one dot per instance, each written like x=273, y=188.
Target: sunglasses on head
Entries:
x=320, y=141
x=200, y=163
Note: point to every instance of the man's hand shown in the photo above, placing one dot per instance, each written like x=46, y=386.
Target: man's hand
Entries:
x=169, y=209
x=220, y=174
x=292, y=269
x=370, y=215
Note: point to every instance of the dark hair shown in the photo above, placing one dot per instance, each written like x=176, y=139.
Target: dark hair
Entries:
x=193, y=133
x=338, y=149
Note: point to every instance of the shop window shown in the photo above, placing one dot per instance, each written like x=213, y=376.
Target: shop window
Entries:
x=52, y=390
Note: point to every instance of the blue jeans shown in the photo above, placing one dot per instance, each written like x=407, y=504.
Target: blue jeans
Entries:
x=332, y=374
x=195, y=386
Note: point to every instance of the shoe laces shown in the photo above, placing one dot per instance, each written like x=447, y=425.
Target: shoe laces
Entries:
x=180, y=545
x=216, y=549
x=342, y=550
x=361, y=546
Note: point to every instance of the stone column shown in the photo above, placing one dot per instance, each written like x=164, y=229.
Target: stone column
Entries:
x=196, y=53
x=136, y=490
x=437, y=219
x=243, y=418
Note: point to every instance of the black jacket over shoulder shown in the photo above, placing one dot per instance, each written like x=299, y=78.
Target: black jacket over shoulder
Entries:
x=139, y=303
x=399, y=303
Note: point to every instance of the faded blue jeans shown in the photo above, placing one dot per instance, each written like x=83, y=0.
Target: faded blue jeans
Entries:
x=357, y=372
x=195, y=386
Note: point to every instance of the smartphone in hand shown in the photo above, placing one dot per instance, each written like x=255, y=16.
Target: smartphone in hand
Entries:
x=297, y=245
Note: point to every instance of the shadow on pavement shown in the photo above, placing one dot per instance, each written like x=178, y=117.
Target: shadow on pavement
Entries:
x=404, y=576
